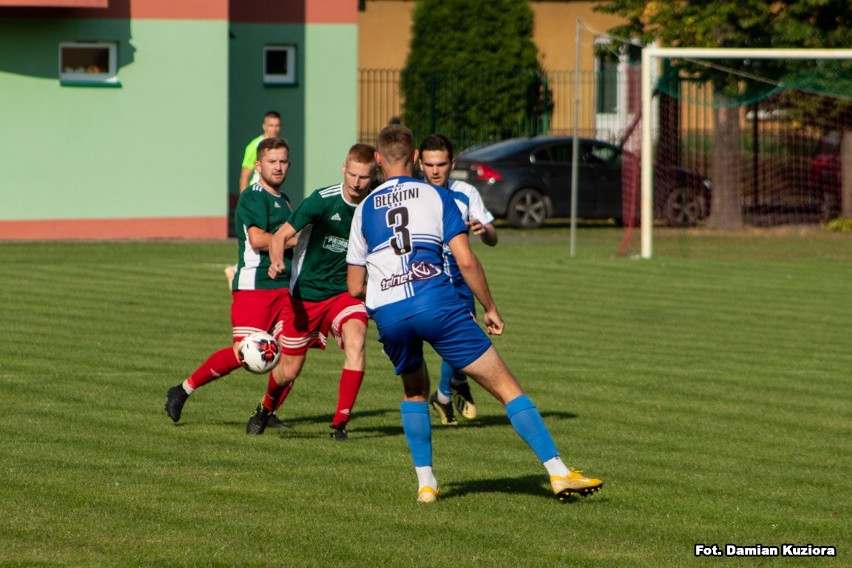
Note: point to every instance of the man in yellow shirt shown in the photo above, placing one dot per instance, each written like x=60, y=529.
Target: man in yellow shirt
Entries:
x=271, y=129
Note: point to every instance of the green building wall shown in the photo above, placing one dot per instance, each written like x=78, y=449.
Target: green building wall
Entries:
x=151, y=148
x=318, y=113
x=158, y=155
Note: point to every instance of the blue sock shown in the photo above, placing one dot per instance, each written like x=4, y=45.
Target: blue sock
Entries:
x=527, y=422
x=418, y=431
x=446, y=374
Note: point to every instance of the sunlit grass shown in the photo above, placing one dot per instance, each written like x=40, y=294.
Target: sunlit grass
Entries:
x=709, y=387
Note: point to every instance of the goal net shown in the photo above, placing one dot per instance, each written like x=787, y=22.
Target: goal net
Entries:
x=727, y=139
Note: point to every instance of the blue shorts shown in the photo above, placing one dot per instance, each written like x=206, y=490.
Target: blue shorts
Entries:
x=451, y=331
x=466, y=296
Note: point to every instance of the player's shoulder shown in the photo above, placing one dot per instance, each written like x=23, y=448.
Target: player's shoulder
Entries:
x=329, y=192
x=255, y=193
x=251, y=194
x=461, y=187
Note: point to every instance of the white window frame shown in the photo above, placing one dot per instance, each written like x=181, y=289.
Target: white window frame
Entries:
x=78, y=77
x=608, y=123
x=288, y=78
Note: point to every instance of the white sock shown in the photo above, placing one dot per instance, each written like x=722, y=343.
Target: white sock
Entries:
x=442, y=398
x=426, y=477
x=186, y=388
x=555, y=467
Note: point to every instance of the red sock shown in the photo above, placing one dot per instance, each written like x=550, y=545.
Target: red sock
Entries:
x=217, y=365
x=275, y=394
x=350, y=383
x=284, y=394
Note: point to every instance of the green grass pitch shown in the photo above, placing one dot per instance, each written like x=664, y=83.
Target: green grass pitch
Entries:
x=709, y=387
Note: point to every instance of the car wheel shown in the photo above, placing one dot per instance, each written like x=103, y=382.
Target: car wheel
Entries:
x=682, y=208
x=527, y=209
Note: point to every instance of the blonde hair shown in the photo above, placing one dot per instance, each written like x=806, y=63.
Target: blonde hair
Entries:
x=362, y=153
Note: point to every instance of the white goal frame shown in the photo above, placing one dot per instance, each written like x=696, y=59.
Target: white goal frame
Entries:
x=649, y=55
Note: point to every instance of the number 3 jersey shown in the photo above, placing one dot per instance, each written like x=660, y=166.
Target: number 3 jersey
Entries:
x=259, y=208
x=398, y=234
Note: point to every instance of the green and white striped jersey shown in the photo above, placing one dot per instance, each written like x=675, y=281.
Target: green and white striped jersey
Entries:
x=319, y=259
x=259, y=208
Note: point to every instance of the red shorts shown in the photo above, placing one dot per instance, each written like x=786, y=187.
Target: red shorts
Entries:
x=310, y=322
x=258, y=310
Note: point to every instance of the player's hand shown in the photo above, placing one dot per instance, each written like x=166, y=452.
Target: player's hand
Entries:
x=476, y=226
x=493, y=322
x=275, y=269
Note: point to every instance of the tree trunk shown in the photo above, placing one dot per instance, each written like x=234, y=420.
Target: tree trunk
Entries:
x=726, y=198
x=846, y=174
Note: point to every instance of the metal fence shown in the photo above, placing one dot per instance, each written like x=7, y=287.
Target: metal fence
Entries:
x=381, y=100
x=777, y=154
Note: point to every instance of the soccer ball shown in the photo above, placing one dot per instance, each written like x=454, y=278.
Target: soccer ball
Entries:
x=258, y=352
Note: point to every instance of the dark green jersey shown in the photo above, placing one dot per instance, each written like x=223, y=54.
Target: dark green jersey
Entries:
x=259, y=208
x=319, y=259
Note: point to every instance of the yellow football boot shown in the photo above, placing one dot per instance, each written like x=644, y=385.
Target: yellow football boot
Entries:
x=574, y=483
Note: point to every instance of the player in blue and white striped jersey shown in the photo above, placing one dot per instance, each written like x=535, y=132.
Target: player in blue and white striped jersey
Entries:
x=436, y=161
x=395, y=259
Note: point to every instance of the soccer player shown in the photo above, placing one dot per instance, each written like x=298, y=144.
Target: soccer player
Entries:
x=258, y=300
x=395, y=261
x=271, y=128
x=436, y=161
x=319, y=302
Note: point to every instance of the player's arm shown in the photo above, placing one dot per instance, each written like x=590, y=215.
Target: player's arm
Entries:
x=282, y=240
x=356, y=281
x=245, y=176
x=356, y=259
x=474, y=276
x=259, y=238
x=247, y=166
x=487, y=233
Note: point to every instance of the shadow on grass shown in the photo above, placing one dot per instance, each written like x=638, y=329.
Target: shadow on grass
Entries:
x=360, y=428
x=307, y=420
x=526, y=485
x=482, y=421
x=503, y=420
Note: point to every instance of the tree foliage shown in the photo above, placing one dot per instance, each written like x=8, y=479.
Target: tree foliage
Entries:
x=747, y=24
x=742, y=24
x=735, y=23
x=472, y=71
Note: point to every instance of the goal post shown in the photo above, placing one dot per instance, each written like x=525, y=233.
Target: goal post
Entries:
x=650, y=56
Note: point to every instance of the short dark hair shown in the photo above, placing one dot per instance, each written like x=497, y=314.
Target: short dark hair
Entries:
x=395, y=143
x=271, y=144
x=272, y=114
x=437, y=142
